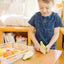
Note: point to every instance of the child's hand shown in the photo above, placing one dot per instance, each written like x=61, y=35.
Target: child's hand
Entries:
x=48, y=48
x=37, y=47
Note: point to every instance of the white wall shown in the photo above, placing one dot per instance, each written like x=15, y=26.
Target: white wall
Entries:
x=58, y=1
x=31, y=6
x=28, y=8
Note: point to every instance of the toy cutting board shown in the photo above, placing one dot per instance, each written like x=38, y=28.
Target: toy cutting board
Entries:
x=38, y=58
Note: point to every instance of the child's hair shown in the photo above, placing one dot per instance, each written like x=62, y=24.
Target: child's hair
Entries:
x=46, y=1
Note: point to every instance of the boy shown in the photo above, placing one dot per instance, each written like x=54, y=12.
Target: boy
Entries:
x=47, y=25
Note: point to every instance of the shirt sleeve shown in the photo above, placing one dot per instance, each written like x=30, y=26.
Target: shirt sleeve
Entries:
x=32, y=21
x=58, y=22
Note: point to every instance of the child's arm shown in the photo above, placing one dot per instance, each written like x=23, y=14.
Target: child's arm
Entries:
x=33, y=38
x=54, y=38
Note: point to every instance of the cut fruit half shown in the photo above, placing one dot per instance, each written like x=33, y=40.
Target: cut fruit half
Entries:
x=42, y=48
x=28, y=55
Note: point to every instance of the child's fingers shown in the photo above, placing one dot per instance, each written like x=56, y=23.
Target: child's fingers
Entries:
x=47, y=51
x=37, y=49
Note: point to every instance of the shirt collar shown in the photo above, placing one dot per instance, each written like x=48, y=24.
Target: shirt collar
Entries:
x=47, y=16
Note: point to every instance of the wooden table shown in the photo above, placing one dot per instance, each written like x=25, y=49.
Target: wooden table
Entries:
x=14, y=29
x=39, y=58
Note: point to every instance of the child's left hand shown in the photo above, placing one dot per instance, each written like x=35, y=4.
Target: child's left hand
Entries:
x=48, y=48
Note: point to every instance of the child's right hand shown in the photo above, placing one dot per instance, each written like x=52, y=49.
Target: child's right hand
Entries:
x=37, y=47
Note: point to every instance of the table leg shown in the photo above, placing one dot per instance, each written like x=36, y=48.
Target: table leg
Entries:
x=1, y=37
x=29, y=40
